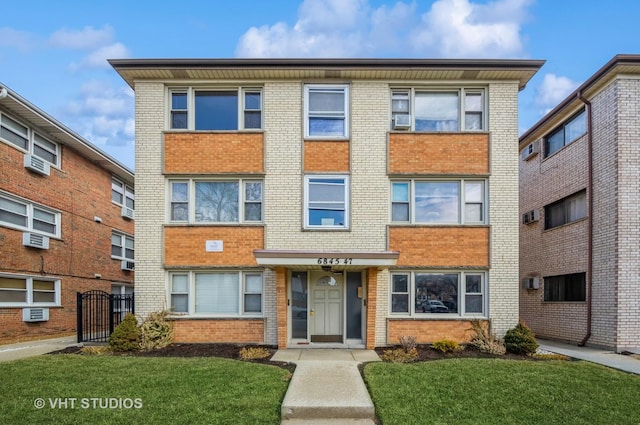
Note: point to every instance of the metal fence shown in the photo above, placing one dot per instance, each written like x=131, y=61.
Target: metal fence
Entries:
x=99, y=313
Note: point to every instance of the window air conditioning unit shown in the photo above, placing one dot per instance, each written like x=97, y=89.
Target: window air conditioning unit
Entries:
x=35, y=314
x=531, y=283
x=36, y=165
x=128, y=265
x=530, y=217
x=35, y=240
x=401, y=122
x=531, y=150
x=128, y=213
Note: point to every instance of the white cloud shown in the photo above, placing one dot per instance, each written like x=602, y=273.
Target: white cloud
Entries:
x=98, y=59
x=86, y=38
x=553, y=90
x=352, y=28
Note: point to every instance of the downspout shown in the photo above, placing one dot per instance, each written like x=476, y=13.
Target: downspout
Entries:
x=590, y=221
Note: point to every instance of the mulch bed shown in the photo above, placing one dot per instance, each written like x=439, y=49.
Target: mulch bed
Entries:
x=428, y=353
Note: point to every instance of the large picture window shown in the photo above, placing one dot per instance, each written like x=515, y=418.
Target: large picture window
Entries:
x=568, y=287
x=215, y=201
x=24, y=215
x=434, y=294
x=215, y=109
x=567, y=210
x=225, y=293
x=438, y=202
x=28, y=139
x=568, y=132
x=326, y=109
x=326, y=202
x=19, y=291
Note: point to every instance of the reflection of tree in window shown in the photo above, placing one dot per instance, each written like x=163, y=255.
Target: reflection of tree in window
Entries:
x=217, y=202
x=253, y=201
x=441, y=287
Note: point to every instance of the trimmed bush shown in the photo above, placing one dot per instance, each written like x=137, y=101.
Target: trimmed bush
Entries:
x=486, y=342
x=254, y=353
x=446, y=345
x=156, y=331
x=408, y=342
x=126, y=336
x=521, y=340
x=399, y=355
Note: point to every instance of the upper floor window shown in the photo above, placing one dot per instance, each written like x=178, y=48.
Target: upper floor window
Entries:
x=438, y=202
x=24, y=215
x=566, y=210
x=122, y=194
x=438, y=110
x=122, y=246
x=28, y=140
x=215, y=109
x=215, y=201
x=568, y=287
x=326, y=202
x=326, y=110
x=21, y=291
x=571, y=130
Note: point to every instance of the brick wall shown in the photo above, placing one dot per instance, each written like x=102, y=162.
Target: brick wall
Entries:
x=428, y=331
x=242, y=331
x=326, y=156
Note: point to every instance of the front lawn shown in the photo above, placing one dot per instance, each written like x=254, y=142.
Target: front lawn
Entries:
x=73, y=389
x=496, y=391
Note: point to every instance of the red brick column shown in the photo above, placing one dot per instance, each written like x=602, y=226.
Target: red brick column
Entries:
x=372, y=298
x=281, y=305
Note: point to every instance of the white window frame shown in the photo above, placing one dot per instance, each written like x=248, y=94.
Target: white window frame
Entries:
x=30, y=211
x=307, y=182
x=461, y=295
x=191, y=200
x=123, y=247
x=30, y=136
x=190, y=92
x=462, y=201
x=125, y=191
x=191, y=284
x=310, y=88
x=462, y=108
x=29, y=291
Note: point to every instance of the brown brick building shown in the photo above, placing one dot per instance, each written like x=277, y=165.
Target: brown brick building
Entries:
x=66, y=222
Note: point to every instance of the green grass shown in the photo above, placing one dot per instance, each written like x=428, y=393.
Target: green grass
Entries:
x=486, y=391
x=171, y=390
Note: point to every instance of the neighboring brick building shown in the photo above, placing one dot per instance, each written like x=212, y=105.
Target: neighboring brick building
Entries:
x=61, y=222
x=313, y=202
x=579, y=199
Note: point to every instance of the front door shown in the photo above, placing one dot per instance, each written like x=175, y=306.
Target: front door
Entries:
x=326, y=307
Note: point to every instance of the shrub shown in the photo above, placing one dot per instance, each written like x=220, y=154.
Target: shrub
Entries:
x=400, y=355
x=408, y=343
x=254, y=353
x=126, y=336
x=521, y=340
x=95, y=350
x=446, y=345
x=484, y=341
x=156, y=331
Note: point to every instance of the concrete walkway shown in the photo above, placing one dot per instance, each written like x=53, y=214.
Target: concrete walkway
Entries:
x=604, y=357
x=23, y=350
x=326, y=387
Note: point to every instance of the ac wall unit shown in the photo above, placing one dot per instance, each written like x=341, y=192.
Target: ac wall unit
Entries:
x=128, y=213
x=35, y=240
x=401, y=122
x=36, y=165
x=530, y=217
x=531, y=150
x=35, y=314
x=128, y=265
x=531, y=283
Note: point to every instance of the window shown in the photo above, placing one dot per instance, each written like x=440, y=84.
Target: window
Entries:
x=21, y=291
x=215, y=109
x=566, y=210
x=438, y=110
x=229, y=293
x=28, y=140
x=433, y=294
x=215, y=201
x=326, y=110
x=326, y=202
x=122, y=194
x=568, y=287
x=574, y=128
x=438, y=202
x=122, y=246
x=23, y=215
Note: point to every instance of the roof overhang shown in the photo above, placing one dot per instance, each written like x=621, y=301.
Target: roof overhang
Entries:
x=325, y=260
x=520, y=70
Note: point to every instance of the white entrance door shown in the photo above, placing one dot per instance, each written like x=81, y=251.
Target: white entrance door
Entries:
x=325, y=321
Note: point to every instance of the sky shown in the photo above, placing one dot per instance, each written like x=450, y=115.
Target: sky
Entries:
x=54, y=54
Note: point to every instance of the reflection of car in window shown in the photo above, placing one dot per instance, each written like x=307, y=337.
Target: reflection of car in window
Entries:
x=434, y=306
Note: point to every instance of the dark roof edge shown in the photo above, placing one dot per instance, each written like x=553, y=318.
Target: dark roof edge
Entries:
x=615, y=61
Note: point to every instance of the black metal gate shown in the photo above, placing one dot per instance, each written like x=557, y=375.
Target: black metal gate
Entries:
x=99, y=313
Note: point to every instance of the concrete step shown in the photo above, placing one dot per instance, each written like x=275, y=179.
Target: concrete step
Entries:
x=327, y=390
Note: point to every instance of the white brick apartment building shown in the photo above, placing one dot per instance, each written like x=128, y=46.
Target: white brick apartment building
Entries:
x=327, y=201
x=579, y=199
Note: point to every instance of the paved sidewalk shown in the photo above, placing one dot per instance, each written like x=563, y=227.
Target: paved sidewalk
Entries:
x=604, y=357
x=23, y=350
x=326, y=387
